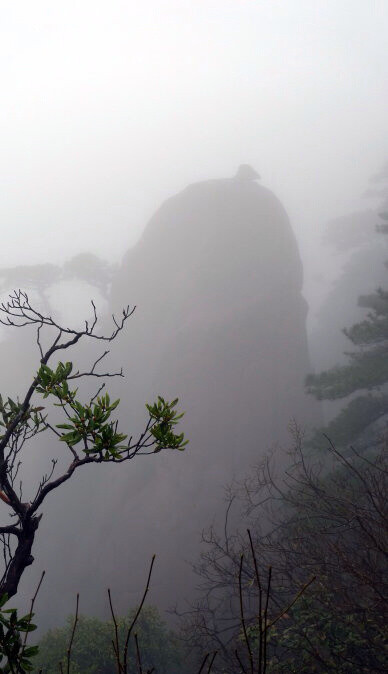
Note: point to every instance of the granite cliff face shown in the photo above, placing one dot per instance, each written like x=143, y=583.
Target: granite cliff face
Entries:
x=217, y=279
x=220, y=323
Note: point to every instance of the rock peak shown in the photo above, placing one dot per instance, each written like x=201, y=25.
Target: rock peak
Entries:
x=246, y=173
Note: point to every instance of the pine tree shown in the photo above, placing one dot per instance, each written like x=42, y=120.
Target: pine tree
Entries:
x=366, y=372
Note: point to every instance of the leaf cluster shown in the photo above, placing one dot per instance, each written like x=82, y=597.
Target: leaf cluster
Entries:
x=366, y=370
x=349, y=425
x=91, y=423
x=165, y=418
x=10, y=410
x=88, y=423
x=15, y=656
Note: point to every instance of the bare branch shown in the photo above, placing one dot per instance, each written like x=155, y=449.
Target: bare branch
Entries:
x=242, y=616
x=115, y=642
x=32, y=608
x=137, y=613
x=72, y=636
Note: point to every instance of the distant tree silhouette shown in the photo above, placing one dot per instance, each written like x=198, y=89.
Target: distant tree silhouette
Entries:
x=38, y=279
x=365, y=374
x=92, y=269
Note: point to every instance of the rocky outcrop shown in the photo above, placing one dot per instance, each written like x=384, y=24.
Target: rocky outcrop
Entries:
x=220, y=323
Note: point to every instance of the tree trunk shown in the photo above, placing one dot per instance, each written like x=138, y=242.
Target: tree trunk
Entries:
x=21, y=558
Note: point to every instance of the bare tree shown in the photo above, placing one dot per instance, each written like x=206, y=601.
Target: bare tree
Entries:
x=326, y=517
x=87, y=430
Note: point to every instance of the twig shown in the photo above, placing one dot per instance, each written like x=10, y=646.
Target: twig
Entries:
x=32, y=608
x=301, y=591
x=72, y=635
x=211, y=662
x=246, y=637
x=239, y=662
x=203, y=663
x=137, y=614
x=138, y=655
x=260, y=602
x=265, y=619
x=115, y=642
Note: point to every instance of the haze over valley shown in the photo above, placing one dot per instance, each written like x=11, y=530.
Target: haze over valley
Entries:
x=222, y=167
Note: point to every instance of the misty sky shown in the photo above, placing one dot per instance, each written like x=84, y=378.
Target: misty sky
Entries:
x=107, y=108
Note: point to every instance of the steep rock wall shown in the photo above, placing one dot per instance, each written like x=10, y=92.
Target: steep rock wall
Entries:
x=220, y=323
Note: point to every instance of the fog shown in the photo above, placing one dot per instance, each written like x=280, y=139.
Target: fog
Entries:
x=110, y=109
